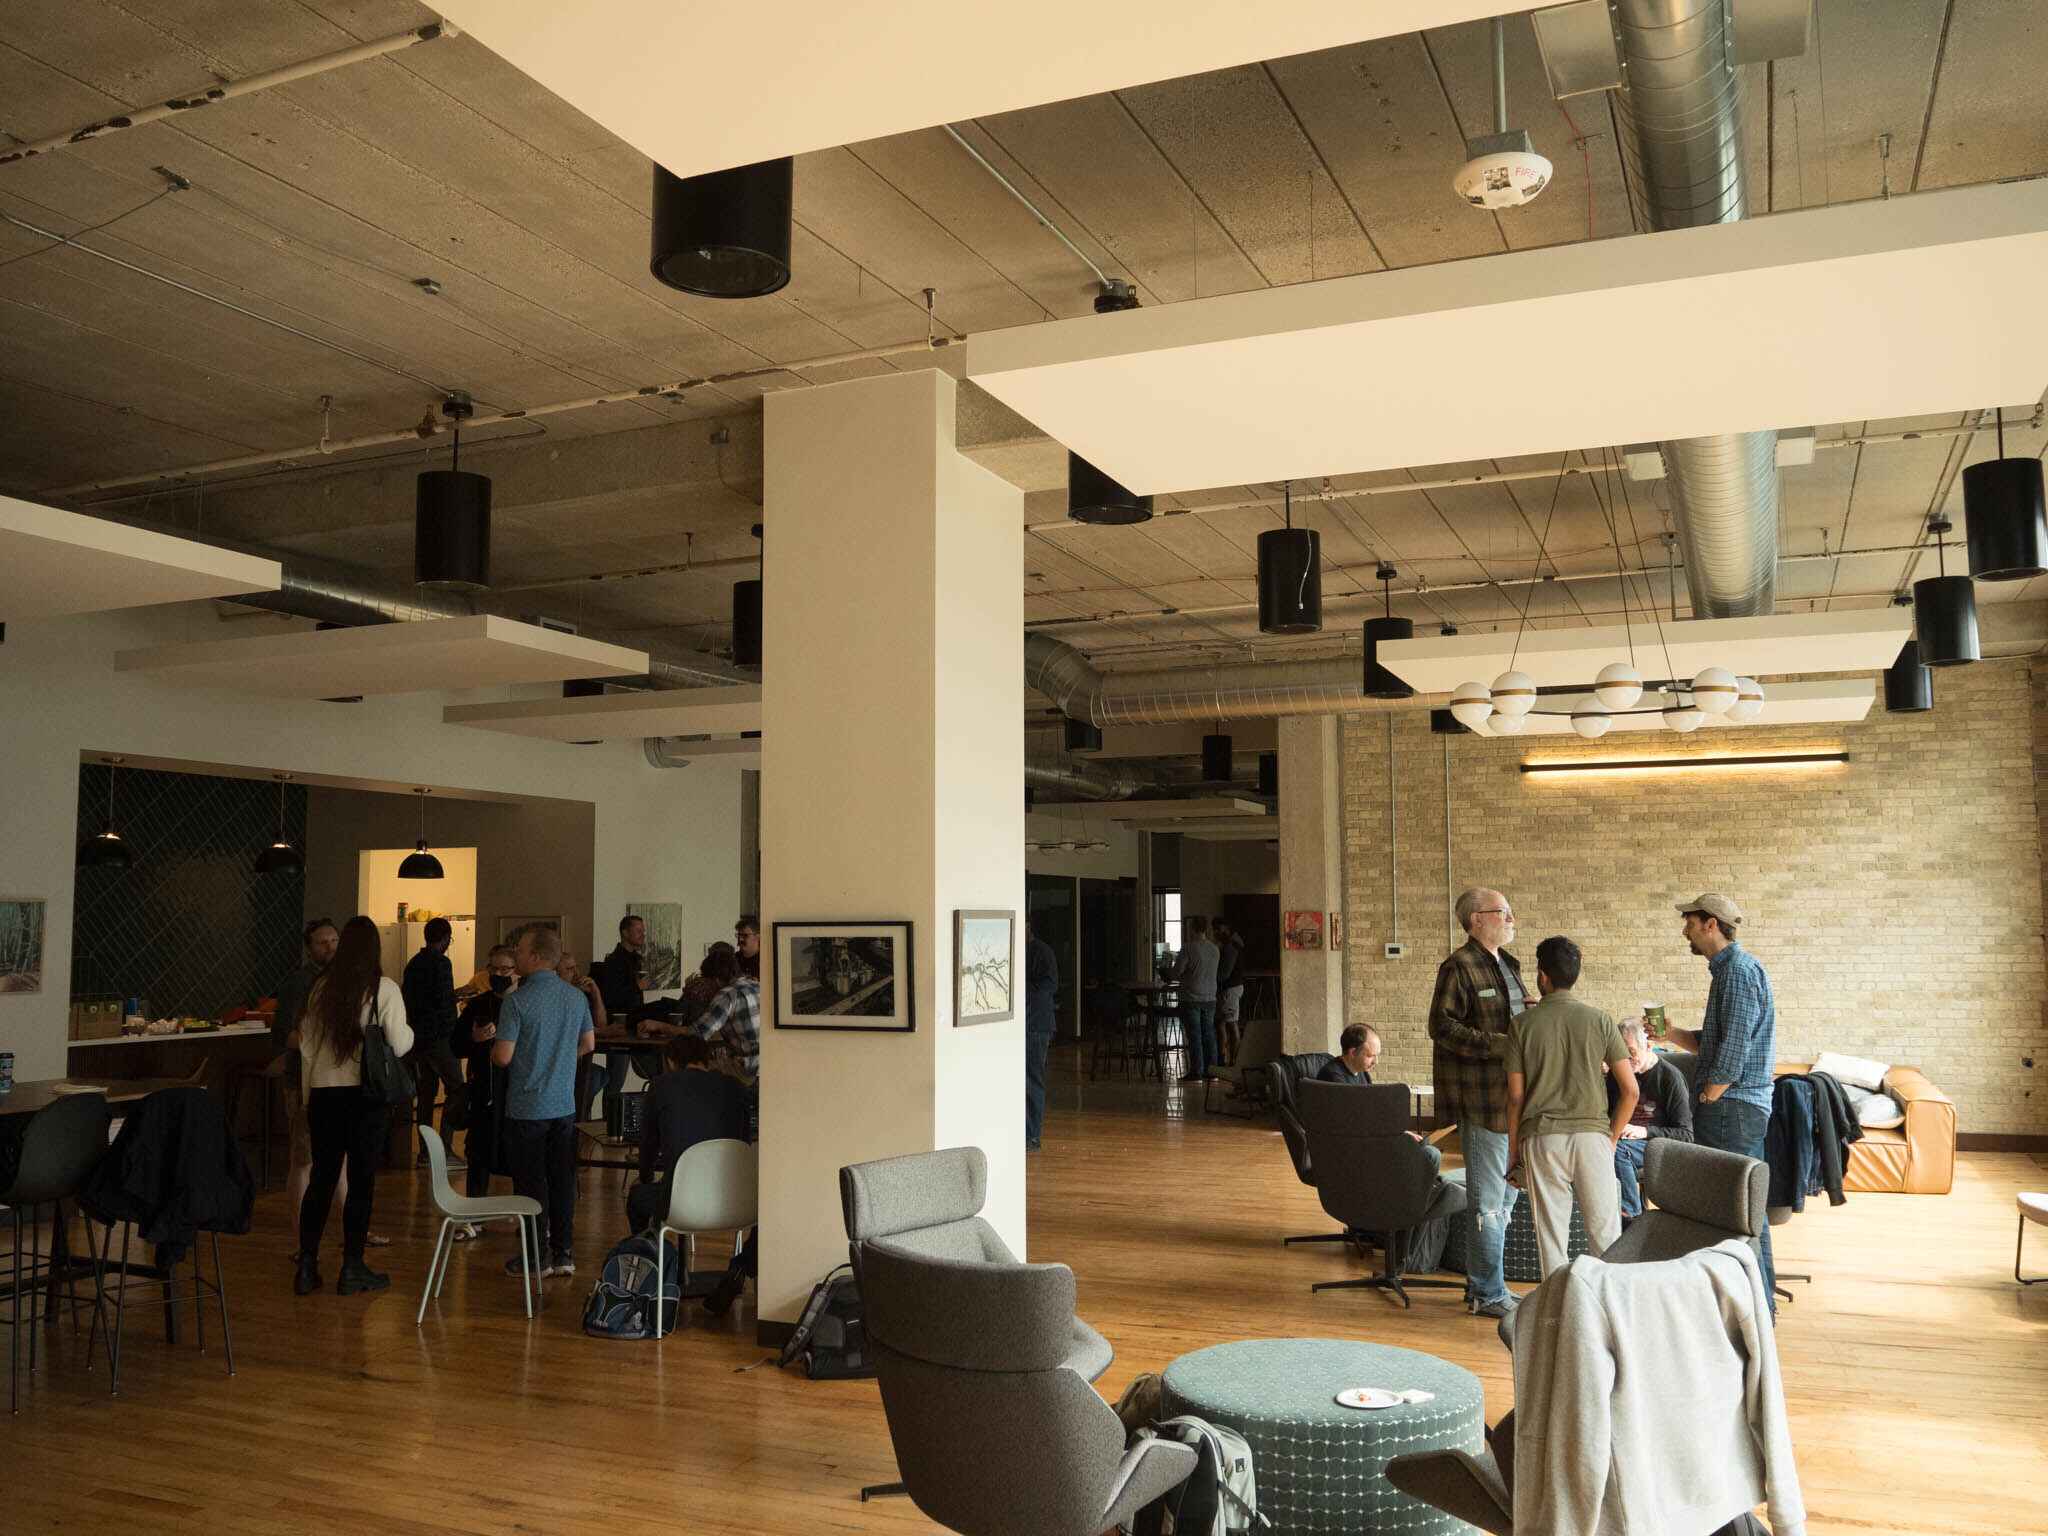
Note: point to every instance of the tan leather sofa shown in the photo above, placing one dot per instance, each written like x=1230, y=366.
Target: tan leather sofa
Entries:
x=1919, y=1157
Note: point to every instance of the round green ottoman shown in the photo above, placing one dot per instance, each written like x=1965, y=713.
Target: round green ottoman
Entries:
x=1322, y=1467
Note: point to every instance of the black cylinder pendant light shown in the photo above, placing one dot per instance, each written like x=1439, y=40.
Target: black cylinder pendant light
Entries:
x=2004, y=517
x=1945, y=610
x=1379, y=682
x=1092, y=497
x=107, y=850
x=451, y=540
x=1216, y=755
x=746, y=612
x=420, y=864
x=280, y=858
x=725, y=234
x=1290, y=576
x=1908, y=685
x=1269, y=773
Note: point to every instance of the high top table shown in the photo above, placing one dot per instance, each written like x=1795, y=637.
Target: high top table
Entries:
x=1322, y=1467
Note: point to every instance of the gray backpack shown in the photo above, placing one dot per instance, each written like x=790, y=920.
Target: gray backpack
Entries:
x=1220, y=1497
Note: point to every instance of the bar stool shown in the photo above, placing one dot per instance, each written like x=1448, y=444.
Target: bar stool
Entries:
x=63, y=1143
x=264, y=1078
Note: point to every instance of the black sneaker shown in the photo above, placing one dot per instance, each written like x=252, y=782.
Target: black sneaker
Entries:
x=306, y=1279
x=357, y=1276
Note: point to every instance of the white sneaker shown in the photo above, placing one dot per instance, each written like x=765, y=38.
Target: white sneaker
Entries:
x=561, y=1265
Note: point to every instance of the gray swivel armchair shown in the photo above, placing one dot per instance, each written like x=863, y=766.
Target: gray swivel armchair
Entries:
x=1374, y=1177
x=996, y=1432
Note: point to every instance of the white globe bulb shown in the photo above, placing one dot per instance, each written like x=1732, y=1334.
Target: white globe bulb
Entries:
x=1714, y=690
x=1514, y=693
x=1592, y=723
x=1682, y=718
x=1618, y=686
x=1471, y=703
x=1507, y=725
x=1749, y=700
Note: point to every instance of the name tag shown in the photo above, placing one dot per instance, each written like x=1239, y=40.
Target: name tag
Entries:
x=1487, y=992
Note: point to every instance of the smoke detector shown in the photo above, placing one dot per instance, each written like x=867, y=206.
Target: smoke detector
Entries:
x=1503, y=171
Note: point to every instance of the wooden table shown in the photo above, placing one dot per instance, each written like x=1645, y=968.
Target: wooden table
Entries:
x=28, y=1097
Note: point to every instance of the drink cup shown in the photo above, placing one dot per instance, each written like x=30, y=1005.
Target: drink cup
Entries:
x=1653, y=1020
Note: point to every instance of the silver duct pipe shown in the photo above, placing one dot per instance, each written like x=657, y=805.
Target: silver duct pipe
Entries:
x=1246, y=691
x=1080, y=781
x=1681, y=114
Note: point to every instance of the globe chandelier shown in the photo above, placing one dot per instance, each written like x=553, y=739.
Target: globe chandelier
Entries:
x=1713, y=695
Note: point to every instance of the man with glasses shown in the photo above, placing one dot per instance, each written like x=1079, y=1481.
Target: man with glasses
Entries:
x=1479, y=994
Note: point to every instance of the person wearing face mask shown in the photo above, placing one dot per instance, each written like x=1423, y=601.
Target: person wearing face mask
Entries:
x=474, y=1032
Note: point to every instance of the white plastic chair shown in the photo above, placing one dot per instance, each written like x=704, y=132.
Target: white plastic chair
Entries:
x=461, y=1208
x=716, y=1187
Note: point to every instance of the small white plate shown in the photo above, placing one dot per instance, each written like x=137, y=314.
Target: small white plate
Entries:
x=1368, y=1397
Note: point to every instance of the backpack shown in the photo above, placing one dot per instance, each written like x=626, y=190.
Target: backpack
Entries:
x=829, y=1336
x=1220, y=1497
x=621, y=1304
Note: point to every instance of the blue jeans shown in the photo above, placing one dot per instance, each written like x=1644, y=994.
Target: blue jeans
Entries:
x=1198, y=1021
x=1035, y=1047
x=1734, y=1126
x=1489, y=1202
x=1628, y=1173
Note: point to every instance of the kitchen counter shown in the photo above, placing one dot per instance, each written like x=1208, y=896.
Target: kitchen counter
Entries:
x=226, y=1031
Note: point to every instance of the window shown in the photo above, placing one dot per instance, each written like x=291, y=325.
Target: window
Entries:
x=1166, y=918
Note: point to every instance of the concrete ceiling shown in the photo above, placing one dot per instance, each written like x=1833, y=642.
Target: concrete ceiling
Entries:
x=318, y=205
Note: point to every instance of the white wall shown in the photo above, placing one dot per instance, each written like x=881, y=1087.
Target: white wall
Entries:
x=670, y=833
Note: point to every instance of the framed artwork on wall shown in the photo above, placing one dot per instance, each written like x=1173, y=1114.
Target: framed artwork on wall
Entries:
x=662, y=962
x=21, y=944
x=844, y=975
x=984, y=969
x=1303, y=930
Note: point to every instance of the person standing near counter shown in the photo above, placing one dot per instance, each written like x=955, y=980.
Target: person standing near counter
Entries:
x=544, y=1029
x=353, y=994
x=429, y=990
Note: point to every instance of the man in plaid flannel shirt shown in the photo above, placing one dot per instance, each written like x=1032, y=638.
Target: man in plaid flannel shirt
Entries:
x=1478, y=994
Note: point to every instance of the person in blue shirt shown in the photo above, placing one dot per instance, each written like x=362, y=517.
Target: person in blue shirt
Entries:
x=544, y=1028
x=1041, y=987
x=1736, y=1042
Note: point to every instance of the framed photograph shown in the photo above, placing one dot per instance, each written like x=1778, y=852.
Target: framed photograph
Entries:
x=21, y=944
x=1303, y=930
x=843, y=975
x=507, y=926
x=662, y=960
x=1336, y=930
x=984, y=967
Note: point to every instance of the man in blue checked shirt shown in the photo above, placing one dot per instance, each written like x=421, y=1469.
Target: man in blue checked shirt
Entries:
x=1736, y=1042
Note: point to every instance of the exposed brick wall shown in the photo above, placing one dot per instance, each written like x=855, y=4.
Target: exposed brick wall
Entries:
x=1896, y=900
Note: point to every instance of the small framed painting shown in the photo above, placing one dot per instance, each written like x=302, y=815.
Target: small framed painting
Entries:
x=21, y=944
x=1304, y=930
x=984, y=969
x=843, y=975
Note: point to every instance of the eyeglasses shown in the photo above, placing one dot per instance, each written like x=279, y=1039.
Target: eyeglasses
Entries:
x=1507, y=912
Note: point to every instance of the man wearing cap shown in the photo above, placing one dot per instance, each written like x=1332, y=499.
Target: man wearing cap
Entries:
x=1736, y=1042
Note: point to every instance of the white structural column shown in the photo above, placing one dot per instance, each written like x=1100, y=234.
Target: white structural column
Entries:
x=1311, y=880
x=891, y=789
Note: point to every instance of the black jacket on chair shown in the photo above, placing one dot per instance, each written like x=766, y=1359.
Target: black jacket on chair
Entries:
x=174, y=1171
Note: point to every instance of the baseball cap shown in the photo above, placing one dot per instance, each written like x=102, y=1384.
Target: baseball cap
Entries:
x=1714, y=904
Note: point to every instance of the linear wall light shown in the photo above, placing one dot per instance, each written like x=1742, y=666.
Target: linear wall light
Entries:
x=1688, y=764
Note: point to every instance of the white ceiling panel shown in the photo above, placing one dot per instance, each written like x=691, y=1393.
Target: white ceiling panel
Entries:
x=433, y=655
x=619, y=716
x=1800, y=317
x=54, y=562
x=699, y=88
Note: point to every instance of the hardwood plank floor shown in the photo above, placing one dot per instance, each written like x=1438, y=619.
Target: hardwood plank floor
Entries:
x=1914, y=1366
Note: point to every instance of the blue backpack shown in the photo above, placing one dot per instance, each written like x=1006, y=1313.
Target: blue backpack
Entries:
x=621, y=1304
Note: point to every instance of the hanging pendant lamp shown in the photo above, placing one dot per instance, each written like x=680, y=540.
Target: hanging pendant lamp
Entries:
x=451, y=537
x=2004, y=517
x=1379, y=682
x=1908, y=685
x=1216, y=756
x=1092, y=497
x=1290, y=576
x=420, y=864
x=725, y=234
x=1269, y=773
x=108, y=850
x=280, y=858
x=1945, y=610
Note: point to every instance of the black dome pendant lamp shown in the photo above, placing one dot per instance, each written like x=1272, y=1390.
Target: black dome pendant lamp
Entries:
x=280, y=858
x=1379, y=682
x=451, y=537
x=1290, y=576
x=1092, y=497
x=420, y=864
x=725, y=234
x=1945, y=610
x=108, y=850
x=1908, y=685
x=2004, y=518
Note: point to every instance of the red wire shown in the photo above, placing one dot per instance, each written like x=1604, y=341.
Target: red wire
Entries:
x=1586, y=158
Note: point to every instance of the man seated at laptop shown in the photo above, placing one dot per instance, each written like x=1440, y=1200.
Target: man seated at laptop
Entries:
x=1360, y=1048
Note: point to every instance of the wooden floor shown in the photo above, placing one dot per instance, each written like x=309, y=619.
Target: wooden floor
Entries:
x=1917, y=1372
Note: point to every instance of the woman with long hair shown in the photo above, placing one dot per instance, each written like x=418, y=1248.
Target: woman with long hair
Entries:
x=351, y=995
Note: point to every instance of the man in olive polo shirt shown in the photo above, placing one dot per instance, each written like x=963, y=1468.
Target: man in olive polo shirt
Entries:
x=1561, y=1134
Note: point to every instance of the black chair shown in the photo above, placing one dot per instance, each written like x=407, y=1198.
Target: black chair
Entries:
x=1374, y=1177
x=1282, y=1075
x=60, y=1147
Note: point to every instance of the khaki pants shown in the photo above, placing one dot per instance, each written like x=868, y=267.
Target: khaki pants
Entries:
x=1558, y=1167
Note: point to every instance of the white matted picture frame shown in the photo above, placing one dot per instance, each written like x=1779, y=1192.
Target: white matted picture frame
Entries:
x=836, y=974
x=984, y=966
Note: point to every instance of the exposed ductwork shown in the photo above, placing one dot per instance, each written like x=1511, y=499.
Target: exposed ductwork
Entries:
x=1681, y=116
x=1245, y=691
